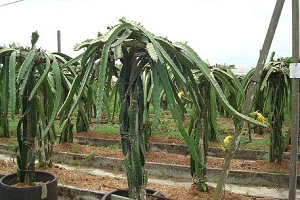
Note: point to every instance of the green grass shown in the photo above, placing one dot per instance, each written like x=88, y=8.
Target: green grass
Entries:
x=255, y=144
x=75, y=149
x=92, y=155
x=13, y=124
x=165, y=127
x=108, y=128
x=113, y=147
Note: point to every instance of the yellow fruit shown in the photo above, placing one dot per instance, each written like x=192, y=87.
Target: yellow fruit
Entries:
x=227, y=141
x=180, y=94
x=260, y=117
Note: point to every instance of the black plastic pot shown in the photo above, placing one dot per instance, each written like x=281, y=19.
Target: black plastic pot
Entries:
x=124, y=193
x=9, y=192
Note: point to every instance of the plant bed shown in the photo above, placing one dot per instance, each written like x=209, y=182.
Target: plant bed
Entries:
x=175, y=147
x=104, y=140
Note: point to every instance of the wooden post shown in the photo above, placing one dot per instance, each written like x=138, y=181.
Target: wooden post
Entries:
x=295, y=100
x=58, y=42
x=249, y=97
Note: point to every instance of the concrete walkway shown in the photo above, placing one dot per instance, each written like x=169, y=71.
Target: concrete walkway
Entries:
x=275, y=193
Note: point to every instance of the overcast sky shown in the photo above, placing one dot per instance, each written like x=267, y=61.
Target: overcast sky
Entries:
x=221, y=31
